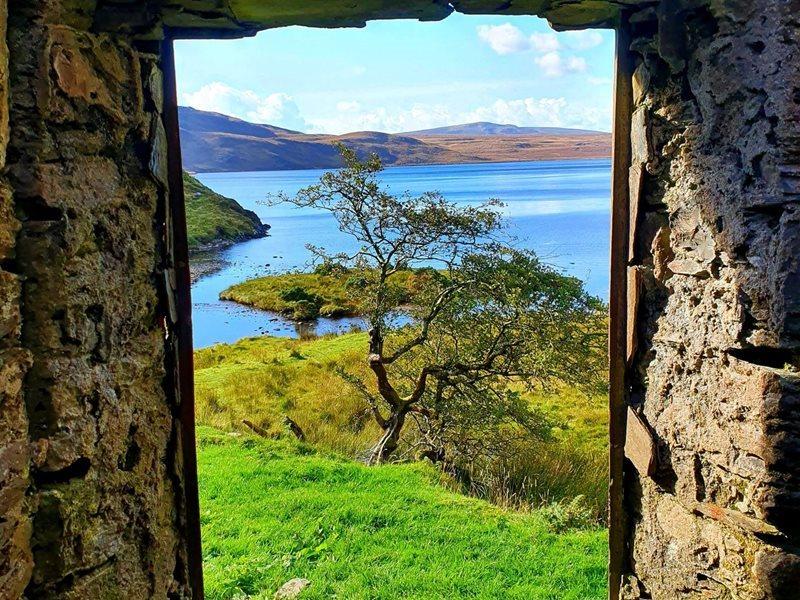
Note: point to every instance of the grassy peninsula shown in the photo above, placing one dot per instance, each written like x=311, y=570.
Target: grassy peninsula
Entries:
x=304, y=296
x=214, y=221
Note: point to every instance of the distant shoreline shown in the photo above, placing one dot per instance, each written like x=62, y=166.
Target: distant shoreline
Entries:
x=431, y=164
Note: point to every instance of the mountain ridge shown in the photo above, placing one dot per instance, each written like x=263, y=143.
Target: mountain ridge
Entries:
x=489, y=128
x=214, y=142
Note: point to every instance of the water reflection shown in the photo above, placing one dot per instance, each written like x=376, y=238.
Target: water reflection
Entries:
x=309, y=330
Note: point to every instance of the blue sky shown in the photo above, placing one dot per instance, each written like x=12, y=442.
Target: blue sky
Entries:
x=398, y=76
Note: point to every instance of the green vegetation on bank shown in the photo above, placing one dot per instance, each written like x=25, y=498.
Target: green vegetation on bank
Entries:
x=304, y=296
x=212, y=220
x=261, y=380
x=276, y=510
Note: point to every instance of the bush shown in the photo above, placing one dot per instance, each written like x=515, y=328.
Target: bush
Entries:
x=329, y=267
x=356, y=282
x=296, y=294
x=563, y=516
x=304, y=305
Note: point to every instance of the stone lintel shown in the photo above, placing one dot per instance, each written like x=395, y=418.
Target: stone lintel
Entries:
x=240, y=18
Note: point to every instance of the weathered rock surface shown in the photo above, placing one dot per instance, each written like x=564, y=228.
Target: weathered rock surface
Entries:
x=91, y=492
x=292, y=589
x=96, y=445
x=716, y=123
x=15, y=523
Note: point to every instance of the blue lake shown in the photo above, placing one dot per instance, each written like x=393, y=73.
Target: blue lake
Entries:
x=560, y=209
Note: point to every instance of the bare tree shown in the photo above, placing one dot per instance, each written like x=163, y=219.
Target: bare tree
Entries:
x=484, y=315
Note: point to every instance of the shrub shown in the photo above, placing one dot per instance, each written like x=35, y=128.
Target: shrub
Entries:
x=329, y=267
x=563, y=516
x=296, y=294
x=303, y=305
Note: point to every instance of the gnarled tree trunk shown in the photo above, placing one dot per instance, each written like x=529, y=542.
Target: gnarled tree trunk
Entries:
x=388, y=443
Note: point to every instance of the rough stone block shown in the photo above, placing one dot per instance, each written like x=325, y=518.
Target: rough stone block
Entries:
x=681, y=554
x=9, y=225
x=92, y=72
x=15, y=554
x=10, y=322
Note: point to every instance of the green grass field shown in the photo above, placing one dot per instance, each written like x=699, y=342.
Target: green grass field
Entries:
x=213, y=219
x=262, y=379
x=275, y=510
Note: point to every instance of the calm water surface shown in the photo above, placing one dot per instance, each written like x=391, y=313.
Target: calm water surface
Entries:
x=560, y=209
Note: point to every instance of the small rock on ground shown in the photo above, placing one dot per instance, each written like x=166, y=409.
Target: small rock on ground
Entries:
x=291, y=589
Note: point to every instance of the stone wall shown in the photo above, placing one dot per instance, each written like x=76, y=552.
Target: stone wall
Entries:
x=91, y=488
x=15, y=556
x=87, y=163
x=715, y=188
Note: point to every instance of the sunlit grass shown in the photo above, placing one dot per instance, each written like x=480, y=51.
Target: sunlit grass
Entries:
x=275, y=510
x=262, y=379
x=337, y=301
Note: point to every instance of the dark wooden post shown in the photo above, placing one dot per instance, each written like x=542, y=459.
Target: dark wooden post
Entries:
x=618, y=305
x=179, y=279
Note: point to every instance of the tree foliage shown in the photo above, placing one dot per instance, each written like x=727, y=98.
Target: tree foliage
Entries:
x=487, y=321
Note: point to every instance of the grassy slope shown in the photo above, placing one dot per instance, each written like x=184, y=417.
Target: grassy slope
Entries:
x=271, y=511
x=261, y=379
x=264, y=292
x=214, y=219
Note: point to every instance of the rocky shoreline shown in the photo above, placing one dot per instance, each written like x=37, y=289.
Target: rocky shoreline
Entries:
x=205, y=263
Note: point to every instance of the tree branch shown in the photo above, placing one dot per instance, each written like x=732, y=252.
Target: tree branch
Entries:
x=359, y=386
x=422, y=337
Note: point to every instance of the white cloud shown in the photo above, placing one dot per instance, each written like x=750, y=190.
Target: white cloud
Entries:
x=525, y=111
x=275, y=109
x=583, y=40
x=550, y=64
x=504, y=39
x=576, y=64
x=419, y=116
x=530, y=112
x=553, y=65
x=508, y=39
x=350, y=115
x=542, y=112
x=348, y=106
x=544, y=42
x=278, y=109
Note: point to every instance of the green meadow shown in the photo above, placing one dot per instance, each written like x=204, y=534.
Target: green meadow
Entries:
x=262, y=380
x=273, y=510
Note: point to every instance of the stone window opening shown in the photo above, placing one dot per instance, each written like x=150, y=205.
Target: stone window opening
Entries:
x=182, y=291
x=95, y=317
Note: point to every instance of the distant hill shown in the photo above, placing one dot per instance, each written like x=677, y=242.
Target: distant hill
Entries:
x=214, y=142
x=214, y=221
x=484, y=128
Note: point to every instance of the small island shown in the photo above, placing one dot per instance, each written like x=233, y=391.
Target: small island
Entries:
x=327, y=292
